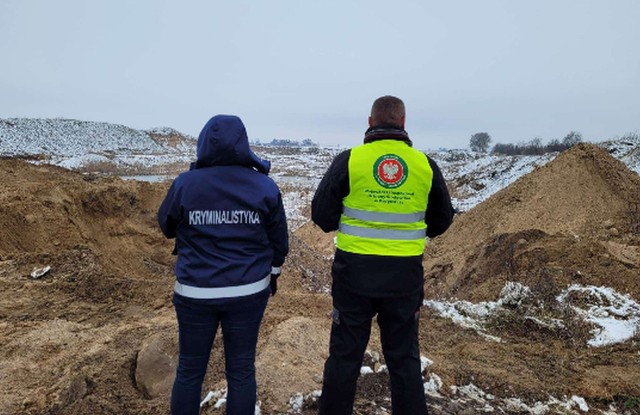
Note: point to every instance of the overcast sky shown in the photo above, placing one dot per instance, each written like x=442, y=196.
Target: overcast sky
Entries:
x=311, y=69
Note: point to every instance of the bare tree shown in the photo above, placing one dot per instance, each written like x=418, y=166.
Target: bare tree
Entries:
x=571, y=139
x=554, y=145
x=480, y=142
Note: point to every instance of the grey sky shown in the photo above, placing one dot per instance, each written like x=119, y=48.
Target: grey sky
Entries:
x=311, y=69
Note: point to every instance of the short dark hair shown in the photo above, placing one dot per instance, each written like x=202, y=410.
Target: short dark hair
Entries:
x=387, y=110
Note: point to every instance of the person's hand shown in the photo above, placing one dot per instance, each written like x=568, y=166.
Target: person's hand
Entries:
x=275, y=273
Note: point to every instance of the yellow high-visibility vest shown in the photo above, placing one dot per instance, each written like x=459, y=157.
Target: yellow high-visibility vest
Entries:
x=384, y=212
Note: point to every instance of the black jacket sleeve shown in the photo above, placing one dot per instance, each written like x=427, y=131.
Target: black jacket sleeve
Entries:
x=326, y=206
x=440, y=212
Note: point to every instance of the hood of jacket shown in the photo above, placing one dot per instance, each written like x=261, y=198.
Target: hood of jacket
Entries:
x=223, y=141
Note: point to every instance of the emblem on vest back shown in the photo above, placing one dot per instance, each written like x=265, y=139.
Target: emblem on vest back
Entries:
x=390, y=171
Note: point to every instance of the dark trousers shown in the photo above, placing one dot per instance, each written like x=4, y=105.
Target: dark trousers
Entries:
x=197, y=325
x=398, y=322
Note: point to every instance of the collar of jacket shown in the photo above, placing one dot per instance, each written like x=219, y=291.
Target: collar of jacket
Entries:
x=387, y=132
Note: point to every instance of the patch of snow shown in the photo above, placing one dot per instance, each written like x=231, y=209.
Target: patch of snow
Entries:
x=617, y=315
x=39, y=272
x=425, y=363
x=516, y=405
x=218, y=395
x=513, y=293
x=433, y=385
x=296, y=402
x=466, y=314
x=150, y=178
x=475, y=392
x=582, y=404
x=76, y=162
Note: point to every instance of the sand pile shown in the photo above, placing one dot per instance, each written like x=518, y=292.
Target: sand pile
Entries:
x=69, y=338
x=575, y=220
x=44, y=209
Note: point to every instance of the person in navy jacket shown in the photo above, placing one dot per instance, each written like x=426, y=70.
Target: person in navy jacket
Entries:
x=231, y=235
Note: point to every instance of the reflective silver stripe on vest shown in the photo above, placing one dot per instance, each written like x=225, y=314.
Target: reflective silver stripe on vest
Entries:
x=400, y=235
x=222, y=292
x=382, y=216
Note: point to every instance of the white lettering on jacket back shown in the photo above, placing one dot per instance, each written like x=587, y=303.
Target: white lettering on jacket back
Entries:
x=223, y=217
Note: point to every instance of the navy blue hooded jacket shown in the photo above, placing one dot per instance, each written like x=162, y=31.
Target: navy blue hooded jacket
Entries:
x=226, y=214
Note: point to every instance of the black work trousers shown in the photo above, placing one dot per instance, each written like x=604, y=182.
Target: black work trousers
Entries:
x=398, y=322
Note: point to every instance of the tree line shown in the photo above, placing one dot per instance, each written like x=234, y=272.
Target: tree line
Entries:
x=284, y=142
x=480, y=142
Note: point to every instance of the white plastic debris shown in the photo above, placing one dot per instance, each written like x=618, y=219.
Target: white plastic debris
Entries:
x=39, y=272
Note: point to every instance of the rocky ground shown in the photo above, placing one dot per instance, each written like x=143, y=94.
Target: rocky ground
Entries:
x=96, y=333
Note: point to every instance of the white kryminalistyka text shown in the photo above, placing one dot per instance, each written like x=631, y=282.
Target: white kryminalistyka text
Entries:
x=223, y=217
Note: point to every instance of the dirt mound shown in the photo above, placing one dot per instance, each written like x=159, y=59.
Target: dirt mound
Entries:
x=571, y=218
x=70, y=340
x=71, y=336
x=295, y=349
x=48, y=209
x=573, y=221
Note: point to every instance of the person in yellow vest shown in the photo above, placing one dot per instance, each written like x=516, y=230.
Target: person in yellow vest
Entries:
x=384, y=198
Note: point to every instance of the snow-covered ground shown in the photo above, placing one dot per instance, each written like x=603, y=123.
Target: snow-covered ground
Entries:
x=76, y=144
x=25, y=136
x=625, y=149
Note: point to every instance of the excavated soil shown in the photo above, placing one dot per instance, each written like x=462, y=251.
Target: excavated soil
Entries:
x=71, y=340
